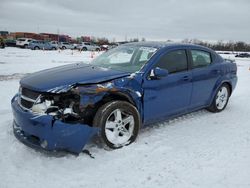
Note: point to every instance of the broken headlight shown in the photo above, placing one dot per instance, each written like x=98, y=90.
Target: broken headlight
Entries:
x=64, y=106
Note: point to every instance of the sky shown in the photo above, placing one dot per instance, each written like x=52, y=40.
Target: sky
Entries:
x=212, y=20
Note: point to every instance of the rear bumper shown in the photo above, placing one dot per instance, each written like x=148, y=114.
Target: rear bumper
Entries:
x=234, y=82
x=45, y=133
x=20, y=45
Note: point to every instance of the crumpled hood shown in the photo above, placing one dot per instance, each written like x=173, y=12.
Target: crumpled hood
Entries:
x=68, y=75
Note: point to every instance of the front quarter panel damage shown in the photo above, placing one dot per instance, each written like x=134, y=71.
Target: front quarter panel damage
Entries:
x=92, y=96
x=69, y=127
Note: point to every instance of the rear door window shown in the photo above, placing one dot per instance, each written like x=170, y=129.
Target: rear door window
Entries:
x=200, y=58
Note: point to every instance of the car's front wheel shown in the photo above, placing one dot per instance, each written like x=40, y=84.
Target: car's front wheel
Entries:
x=119, y=122
x=221, y=99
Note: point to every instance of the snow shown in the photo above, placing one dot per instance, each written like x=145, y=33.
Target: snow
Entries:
x=200, y=149
x=27, y=61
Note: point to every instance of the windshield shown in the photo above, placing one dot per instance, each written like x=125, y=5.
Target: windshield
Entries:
x=125, y=58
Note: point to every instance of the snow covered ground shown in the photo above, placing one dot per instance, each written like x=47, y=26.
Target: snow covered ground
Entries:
x=200, y=149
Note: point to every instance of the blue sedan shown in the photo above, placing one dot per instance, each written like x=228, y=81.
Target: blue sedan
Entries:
x=122, y=90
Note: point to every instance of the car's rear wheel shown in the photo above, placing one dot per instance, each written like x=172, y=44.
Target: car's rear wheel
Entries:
x=64, y=48
x=119, y=122
x=84, y=49
x=221, y=99
x=36, y=48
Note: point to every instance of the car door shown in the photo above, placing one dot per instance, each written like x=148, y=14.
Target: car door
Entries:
x=168, y=95
x=47, y=46
x=40, y=44
x=205, y=74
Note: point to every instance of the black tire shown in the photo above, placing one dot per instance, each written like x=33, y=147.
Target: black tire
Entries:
x=104, y=113
x=64, y=48
x=53, y=48
x=214, y=107
x=84, y=49
x=97, y=49
x=36, y=48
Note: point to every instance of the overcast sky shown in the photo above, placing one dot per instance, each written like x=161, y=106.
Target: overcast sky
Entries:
x=152, y=19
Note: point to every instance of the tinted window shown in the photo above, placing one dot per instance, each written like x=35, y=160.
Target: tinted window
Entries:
x=200, y=58
x=175, y=61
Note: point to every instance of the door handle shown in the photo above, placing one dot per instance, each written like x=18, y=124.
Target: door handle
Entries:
x=216, y=71
x=186, y=78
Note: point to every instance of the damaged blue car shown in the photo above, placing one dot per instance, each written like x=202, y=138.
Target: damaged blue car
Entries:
x=120, y=91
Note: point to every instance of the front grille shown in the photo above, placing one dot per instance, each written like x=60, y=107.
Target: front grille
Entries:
x=27, y=97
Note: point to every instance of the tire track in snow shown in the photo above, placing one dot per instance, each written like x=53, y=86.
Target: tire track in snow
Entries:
x=15, y=76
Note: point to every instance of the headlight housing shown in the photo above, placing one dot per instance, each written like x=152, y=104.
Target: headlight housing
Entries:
x=62, y=106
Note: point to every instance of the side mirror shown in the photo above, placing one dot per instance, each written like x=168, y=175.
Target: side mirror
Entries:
x=158, y=73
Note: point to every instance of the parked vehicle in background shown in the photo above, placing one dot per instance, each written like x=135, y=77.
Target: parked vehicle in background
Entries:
x=75, y=45
x=104, y=47
x=55, y=43
x=65, y=45
x=120, y=91
x=2, y=44
x=41, y=45
x=243, y=55
x=10, y=42
x=23, y=42
x=87, y=46
x=113, y=46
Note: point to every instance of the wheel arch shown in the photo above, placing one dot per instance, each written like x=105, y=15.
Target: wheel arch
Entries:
x=217, y=86
x=108, y=97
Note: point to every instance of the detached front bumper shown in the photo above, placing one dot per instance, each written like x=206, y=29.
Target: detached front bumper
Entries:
x=43, y=132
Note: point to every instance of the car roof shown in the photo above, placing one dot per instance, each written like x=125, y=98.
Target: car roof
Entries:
x=159, y=45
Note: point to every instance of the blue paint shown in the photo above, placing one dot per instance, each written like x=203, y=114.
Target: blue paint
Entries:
x=59, y=135
x=155, y=100
x=68, y=75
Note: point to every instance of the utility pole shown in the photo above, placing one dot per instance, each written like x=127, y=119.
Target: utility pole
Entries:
x=58, y=31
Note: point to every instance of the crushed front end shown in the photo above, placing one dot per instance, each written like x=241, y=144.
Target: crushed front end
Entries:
x=50, y=120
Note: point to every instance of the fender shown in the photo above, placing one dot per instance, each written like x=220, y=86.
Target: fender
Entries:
x=94, y=95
